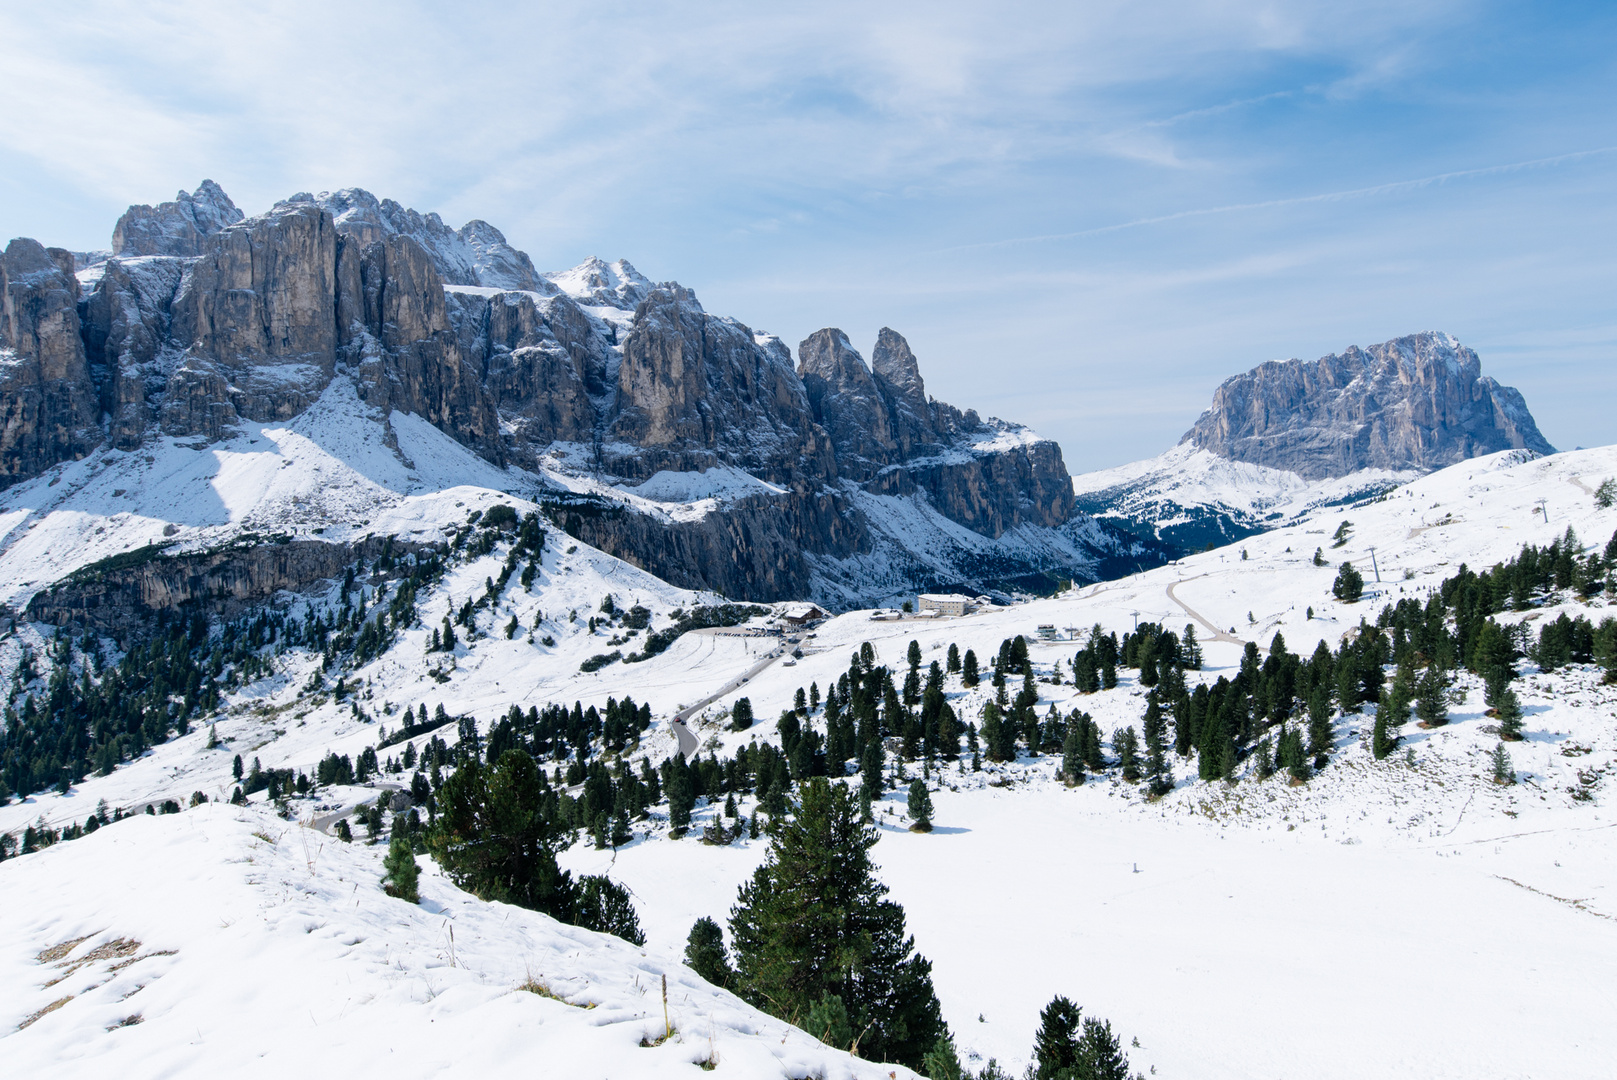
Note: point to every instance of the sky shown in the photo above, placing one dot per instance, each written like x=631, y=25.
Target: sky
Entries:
x=1083, y=216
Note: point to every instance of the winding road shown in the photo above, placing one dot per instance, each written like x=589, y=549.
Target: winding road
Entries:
x=687, y=740
x=1218, y=634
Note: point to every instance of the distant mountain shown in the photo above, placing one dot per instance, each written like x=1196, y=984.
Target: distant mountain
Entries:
x=1288, y=437
x=681, y=441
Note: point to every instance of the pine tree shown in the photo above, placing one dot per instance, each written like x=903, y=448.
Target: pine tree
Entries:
x=1349, y=584
x=1190, y=651
x=1126, y=745
x=1056, y=1043
x=604, y=906
x=1072, y=754
x=942, y=1062
x=1158, y=773
x=741, y=714
x=681, y=795
x=493, y=837
x=403, y=875
x=813, y=922
x=344, y=832
x=1320, y=736
x=828, y=1022
x=1509, y=710
x=1431, y=707
x=1100, y=1053
x=920, y=807
x=1503, y=771
x=969, y=675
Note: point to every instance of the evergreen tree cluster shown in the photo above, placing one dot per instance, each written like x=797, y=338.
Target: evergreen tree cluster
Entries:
x=817, y=942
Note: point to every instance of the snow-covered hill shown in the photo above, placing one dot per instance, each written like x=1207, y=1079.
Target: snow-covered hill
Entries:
x=1234, y=930
x=1191, y=498
x=233, y=943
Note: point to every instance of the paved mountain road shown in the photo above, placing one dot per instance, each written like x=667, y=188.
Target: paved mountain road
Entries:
x=687, y=740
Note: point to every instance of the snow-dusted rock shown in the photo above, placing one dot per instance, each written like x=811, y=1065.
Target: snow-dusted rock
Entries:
x=180, y=227
x=1419, y=402
x=47, y=409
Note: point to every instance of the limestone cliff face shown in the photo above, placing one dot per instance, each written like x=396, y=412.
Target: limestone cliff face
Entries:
x=222, y=583
x=989, y=477
x=847, y=403
x=179, y=228
x=47, y=403
x=204, y=320
x=1419, y=402
x=476, y=254
x=695, y=389
x=255, y=316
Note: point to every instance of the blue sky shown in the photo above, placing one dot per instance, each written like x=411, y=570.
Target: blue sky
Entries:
x=1083, y=216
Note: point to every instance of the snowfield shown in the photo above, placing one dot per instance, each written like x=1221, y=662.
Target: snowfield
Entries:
x=1400, y=918
x=237, y=944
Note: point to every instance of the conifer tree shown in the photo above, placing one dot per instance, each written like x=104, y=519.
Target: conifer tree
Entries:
x=953, y=663
x=403, y=875
x=1126, y=745
x=1158, y=773
x=741, y=714
x=1349, y=584
x=969, y=675
x=1190, y=650
x=1509, y=711
x=920, y=808
x=942, y=1062
x=604, y=906
x=1320, y=737
x=1100, y=1053
x=1072, y=754
x=1431, y=707
x=1056, y=1043
x=344, y=832
x=493, y=837
x=813, y=923
x=681, y=795
x=1503, y=771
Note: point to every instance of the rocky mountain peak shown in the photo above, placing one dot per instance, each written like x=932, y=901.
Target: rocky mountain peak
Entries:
x=617, y=284
x=175, y=228
x=893, y=361
x=476, y=254
x=1418, y=402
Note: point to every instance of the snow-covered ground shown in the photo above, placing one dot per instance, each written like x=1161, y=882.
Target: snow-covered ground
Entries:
x=1184, y=493
x=1396, y=918
x=227, y=942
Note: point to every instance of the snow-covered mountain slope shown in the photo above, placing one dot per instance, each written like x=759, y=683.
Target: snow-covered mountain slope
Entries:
x=1191, y=498
x=1288, y=437
x=238, y=944
x=1233, y=929
x=207, y=326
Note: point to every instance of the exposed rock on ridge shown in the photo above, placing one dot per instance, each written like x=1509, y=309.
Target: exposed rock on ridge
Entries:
x=175, y=228
x=47, y=402
x=207, y=320
x=1418, y=402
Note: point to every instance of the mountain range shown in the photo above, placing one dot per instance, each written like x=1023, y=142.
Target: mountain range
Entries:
x=1288, y=437
x=683, y=441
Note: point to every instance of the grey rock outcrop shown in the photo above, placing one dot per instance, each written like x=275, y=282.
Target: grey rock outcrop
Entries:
x=179, y=228
x=847, y=403
x=475, y=254
x=1419, y=402
x=206, y=320
x=696, y=389
x=47, y=402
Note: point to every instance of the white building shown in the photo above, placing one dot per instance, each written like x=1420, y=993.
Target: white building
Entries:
x=944, y=604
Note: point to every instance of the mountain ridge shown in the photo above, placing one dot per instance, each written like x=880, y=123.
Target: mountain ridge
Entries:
x=594, y=376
